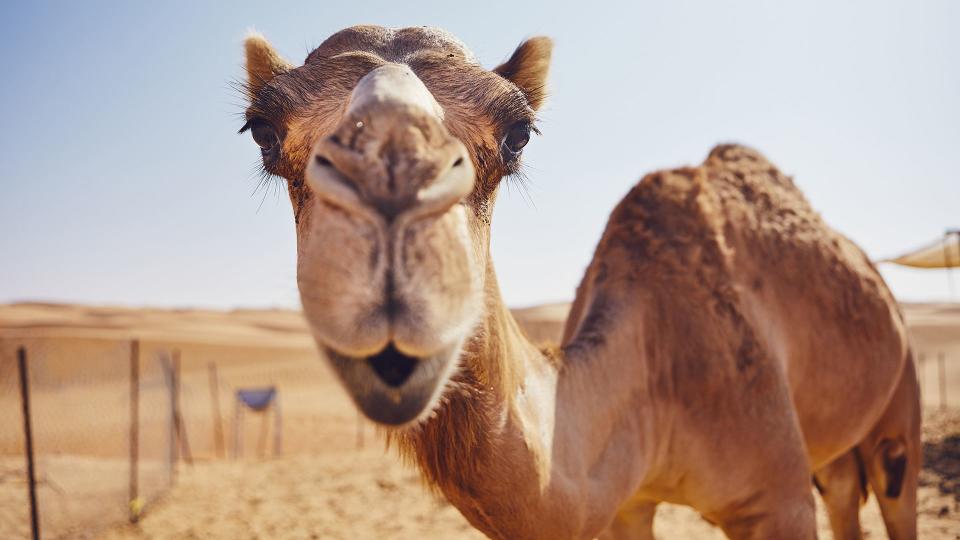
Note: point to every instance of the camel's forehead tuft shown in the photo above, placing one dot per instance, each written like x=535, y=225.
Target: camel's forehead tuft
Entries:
x=391, y=44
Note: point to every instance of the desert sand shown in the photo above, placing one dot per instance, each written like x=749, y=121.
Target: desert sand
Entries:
x=334, y=478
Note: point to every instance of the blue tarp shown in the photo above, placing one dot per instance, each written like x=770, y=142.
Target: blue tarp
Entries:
x=257, y=399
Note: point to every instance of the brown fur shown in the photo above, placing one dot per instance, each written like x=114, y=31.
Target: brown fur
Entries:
x=731, y=255
x=528, y=67
x=263, y=63
x=719, y=339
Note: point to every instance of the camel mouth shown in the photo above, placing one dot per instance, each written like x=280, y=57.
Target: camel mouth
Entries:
x=393, y=388
x=392, y=366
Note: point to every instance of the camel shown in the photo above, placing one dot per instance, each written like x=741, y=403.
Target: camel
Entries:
x=726, y=349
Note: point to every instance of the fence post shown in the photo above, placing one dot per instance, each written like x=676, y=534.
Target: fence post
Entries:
x=237, y=426
x=171, y=420
x=28, y=438
x=941, y=363
x=177, y=413
x=262, y=437
x=134, y=499
x=359, y=429
x=277, y=427
x=218, y=442
x=922, y=373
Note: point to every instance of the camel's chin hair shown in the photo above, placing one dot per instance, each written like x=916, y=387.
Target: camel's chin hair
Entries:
x=444, y=386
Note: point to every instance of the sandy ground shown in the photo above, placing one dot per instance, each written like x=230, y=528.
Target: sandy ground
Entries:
x=322, y=486
x=369, y=494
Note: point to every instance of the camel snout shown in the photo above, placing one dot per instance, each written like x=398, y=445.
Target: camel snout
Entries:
x=398, y=189
x=391, y=157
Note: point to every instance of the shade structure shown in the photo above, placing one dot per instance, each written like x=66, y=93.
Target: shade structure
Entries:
x=943, y=253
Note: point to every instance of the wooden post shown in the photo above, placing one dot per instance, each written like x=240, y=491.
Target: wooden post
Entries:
x=28, y=440
x=277, y=427
x=218, y=441
x=941, y=363
x=922, y=374
x=174, y=410
x=948, y=258
x=134, y=496
x=177, y=413
x=237, y=427
x=359, y=430
x=172, y=417
x=262, y=437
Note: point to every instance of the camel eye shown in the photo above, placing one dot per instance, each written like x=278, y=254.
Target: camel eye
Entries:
x=265, y=137
x=516, y=138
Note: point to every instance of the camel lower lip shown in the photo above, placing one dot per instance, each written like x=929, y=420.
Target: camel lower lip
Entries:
x=392, y=388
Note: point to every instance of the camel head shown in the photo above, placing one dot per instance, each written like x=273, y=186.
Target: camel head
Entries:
x=393, y=144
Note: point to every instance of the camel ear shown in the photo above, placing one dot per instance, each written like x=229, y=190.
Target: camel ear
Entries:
x=527, y=68
x=263, y=62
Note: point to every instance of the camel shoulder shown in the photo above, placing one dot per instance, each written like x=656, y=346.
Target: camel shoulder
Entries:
x=668, y=221
x=669, y=256
x=664, y=259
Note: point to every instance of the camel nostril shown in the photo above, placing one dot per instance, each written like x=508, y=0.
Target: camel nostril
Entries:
x=458, y=162
x=322, y=161
x=392, y=366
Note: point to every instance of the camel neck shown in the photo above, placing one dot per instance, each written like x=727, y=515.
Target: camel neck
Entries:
x=520, y=432
x=488, y=444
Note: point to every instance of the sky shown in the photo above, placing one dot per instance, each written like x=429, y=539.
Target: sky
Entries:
x=124, y=181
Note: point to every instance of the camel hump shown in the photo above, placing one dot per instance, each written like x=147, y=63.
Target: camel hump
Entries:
x=736, y=153
x=742, y=160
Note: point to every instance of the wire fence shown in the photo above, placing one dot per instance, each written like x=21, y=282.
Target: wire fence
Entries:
x=939, y=378
x=316, y=414
x=112, y=419
x=101, y=418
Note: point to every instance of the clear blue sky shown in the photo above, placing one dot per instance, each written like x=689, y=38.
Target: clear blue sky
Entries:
x=123, y=180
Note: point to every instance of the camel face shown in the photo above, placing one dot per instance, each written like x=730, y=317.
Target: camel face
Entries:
x=393, y=144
